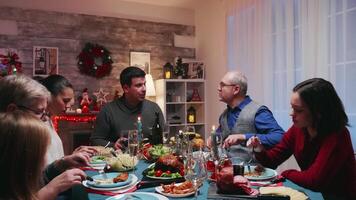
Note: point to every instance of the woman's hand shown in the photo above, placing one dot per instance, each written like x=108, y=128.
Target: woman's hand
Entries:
x=255, y=143
x=61, y=183
x=75, y=160
x=86, y=149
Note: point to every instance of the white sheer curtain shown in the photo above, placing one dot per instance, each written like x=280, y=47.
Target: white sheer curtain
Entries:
x=279, y=43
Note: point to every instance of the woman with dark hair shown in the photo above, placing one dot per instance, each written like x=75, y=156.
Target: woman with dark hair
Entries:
x=318, y=139
x=62, y=98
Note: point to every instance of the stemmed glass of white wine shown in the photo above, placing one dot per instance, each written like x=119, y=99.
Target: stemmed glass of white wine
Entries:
x=133, y=144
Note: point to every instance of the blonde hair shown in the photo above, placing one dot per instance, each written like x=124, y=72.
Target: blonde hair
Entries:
x=23, y=145
x=21, y=90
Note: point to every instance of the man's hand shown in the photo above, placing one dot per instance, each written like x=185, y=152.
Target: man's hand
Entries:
x=255, y=143
x=234, y=139
x=120, y=143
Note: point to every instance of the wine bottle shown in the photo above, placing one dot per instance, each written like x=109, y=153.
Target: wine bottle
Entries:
x=156, y=134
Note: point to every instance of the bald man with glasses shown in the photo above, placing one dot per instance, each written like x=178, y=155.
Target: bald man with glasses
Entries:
x=243, y=118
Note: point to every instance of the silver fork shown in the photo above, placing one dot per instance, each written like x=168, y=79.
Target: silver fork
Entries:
x=249, y=162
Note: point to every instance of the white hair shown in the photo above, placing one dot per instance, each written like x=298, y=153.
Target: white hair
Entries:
x=238, y=78
x=21, y=90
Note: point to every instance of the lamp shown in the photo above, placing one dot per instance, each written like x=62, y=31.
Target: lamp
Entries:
x=150, y=87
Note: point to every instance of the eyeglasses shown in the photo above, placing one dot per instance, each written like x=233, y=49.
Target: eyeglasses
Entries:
x=222, y=84
x=41, y=114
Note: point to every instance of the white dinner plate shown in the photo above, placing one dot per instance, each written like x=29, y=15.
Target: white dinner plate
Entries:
x=159, y=189
x=109, y=176
x=266, y=175
x=141, y=195
x=134, y=181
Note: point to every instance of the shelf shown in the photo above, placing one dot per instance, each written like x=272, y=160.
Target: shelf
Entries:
x=174, y=96
x=189, y=124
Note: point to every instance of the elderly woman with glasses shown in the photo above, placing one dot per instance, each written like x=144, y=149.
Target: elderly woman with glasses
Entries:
x=19, y=92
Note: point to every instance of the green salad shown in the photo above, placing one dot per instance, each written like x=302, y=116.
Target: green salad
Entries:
x=159, y=150
x=96, y=159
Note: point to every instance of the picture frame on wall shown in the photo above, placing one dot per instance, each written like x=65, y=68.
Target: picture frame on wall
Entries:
x=141, y=60
x=45, y=61
x=196, y=70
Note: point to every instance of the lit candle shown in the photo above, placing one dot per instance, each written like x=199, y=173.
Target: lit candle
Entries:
x=213, y=129
x=139, y=128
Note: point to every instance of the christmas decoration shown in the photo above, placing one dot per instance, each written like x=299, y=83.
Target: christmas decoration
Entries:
x=73, y=118
x=179, y=70
x=85, y=101
x=101, y=97
x=9, y=64
x=95, y=60
x=167, y=70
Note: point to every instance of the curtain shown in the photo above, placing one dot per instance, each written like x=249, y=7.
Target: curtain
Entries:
x=277, y=44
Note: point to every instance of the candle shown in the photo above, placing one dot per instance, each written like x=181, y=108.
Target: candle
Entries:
x=213, y=128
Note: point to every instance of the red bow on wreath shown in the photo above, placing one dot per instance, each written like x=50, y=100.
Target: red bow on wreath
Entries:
x=95, y=60
x=9, y=64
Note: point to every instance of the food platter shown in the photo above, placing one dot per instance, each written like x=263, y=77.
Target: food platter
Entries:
x=133, y=182
x=98, y=184
x=160, y=190
x=267, y=174
x=150, y=167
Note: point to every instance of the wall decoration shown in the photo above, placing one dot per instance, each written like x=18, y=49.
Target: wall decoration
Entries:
x=195, y=70
x=101, y=97
x=141, y=60
x=45, y=61
x=95, y=60
x=9, y=62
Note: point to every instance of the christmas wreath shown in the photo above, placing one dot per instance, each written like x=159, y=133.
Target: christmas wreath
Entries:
x=95, y=60
x=9, y=64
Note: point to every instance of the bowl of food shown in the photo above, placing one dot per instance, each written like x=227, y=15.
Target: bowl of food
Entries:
x=122, y=162
x=153, y=152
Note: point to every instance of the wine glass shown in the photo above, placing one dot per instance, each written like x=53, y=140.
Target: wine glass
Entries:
x=195, y=170
x=133, y=145
x=166, y=135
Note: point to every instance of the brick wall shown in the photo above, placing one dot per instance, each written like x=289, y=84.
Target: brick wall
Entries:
x=69, y=32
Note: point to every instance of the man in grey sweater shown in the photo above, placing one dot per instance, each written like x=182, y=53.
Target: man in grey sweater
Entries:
x=121, y=115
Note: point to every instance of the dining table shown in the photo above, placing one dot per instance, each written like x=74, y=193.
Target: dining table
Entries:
x=203, y=191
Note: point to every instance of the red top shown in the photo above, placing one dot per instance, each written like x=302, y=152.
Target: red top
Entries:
x=327, y=164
